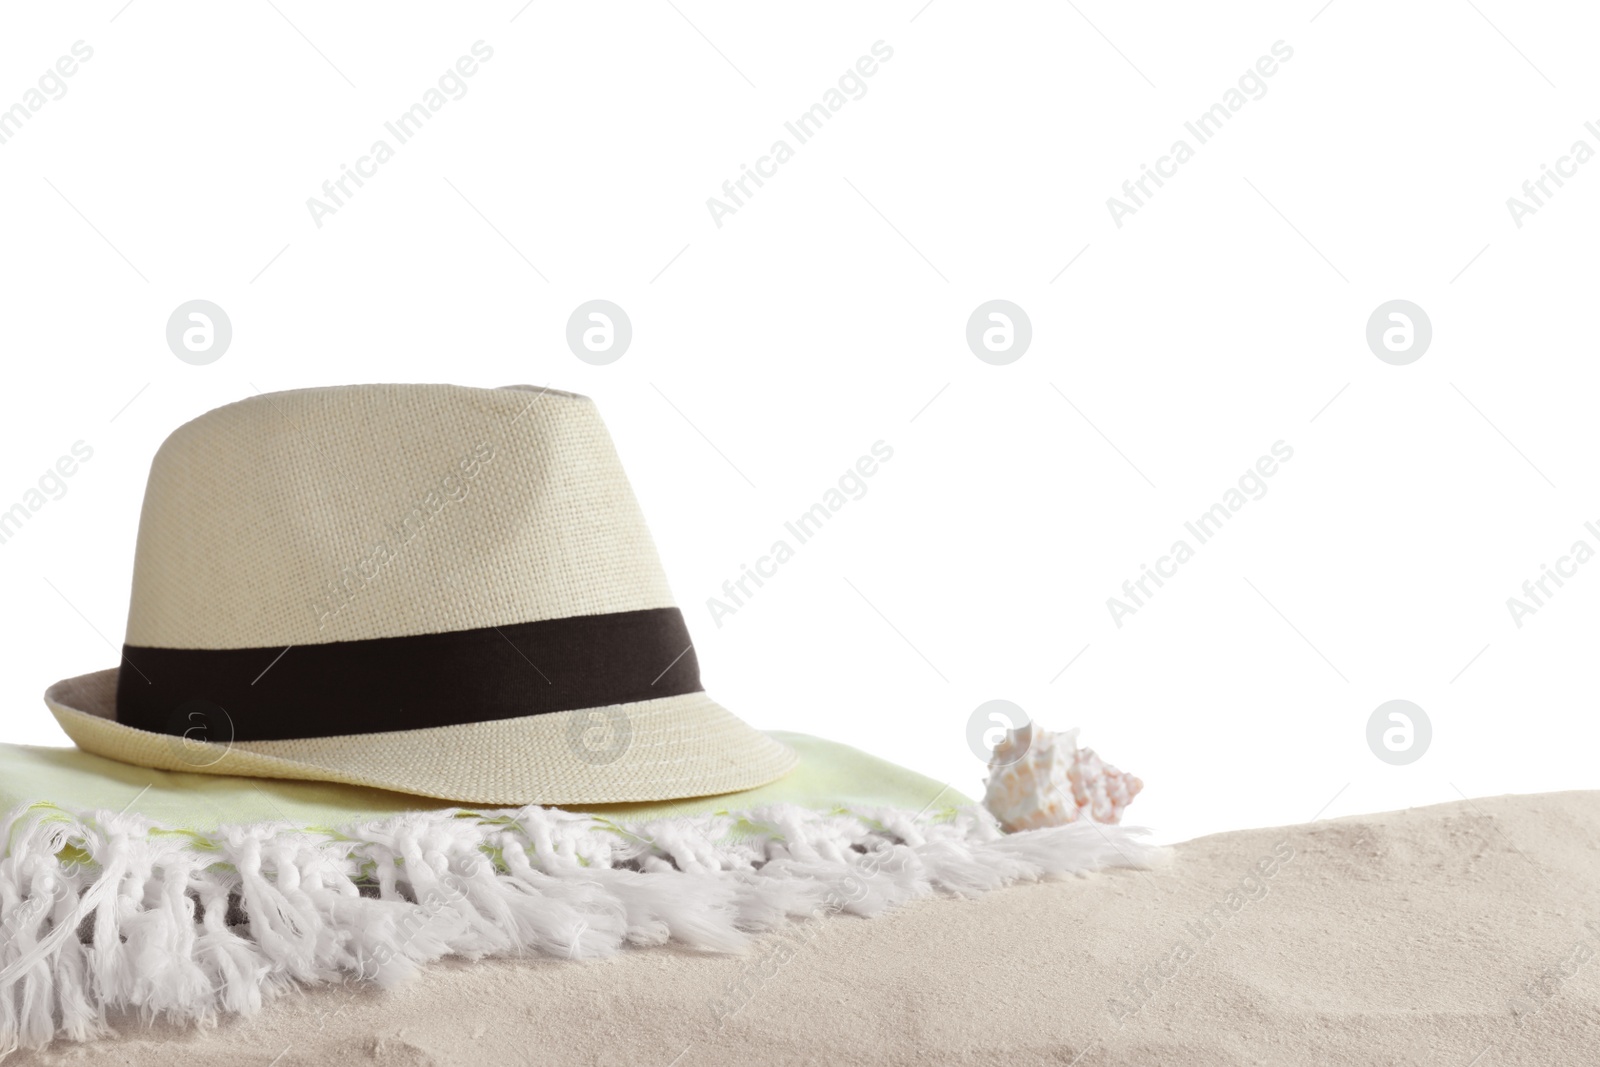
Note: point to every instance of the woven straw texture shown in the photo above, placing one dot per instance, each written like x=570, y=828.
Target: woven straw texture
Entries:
x=361, y=512
x=685, y=746
x=429, y=508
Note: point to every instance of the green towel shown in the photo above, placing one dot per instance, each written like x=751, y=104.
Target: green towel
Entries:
x=189, y=896
x=829, y=776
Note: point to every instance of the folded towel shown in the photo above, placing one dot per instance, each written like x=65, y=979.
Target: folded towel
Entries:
x=186, y=896
x=829, y=775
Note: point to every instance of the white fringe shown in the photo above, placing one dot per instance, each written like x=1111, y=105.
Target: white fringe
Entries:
x=103, y=912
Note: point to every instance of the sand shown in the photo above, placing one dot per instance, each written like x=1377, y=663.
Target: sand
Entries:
x=1442, y=936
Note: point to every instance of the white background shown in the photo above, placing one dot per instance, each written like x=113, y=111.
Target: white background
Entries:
x=830, y=312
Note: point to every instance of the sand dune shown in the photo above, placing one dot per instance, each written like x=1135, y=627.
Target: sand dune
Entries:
x=1431, y=936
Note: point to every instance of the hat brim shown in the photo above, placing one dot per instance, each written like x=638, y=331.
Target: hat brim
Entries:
x=666, y=749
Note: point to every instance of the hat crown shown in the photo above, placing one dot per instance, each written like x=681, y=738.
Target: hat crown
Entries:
x=371, y=511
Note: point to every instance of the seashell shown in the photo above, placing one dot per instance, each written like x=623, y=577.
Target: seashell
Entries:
x=1040, y=778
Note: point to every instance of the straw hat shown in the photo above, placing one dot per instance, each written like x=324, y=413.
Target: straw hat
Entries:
x=437, y=590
